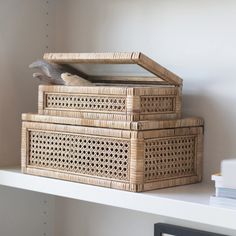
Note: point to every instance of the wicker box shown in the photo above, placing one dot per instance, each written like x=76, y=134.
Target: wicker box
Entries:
x=115, y=97
x=133, y=156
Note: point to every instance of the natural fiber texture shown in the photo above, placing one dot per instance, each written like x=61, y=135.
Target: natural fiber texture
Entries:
x=80, y=154
x=111, y=103
x=116, y=58
x=73, y=102
x=133, y=160
x=169, y=157
x=124, y=125
x=123, y=132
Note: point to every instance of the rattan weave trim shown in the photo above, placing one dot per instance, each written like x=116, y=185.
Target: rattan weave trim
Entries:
x=169, y=157
x=78, y=102
x=72, y=153
x=157, y=104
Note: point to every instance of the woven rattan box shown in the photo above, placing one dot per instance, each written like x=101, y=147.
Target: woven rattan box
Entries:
x=127, y=155
x=127, y=86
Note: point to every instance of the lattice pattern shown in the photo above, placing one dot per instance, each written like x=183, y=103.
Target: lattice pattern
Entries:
x=157, y=104
x=59, y=101
x=80, y=154
x=169, y=157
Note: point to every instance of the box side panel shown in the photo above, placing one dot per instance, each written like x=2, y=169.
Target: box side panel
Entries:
x=173, y=157
x=162, y=102
x=95, y=155
x=70, y=100
x=85, y=103
x=118, y=103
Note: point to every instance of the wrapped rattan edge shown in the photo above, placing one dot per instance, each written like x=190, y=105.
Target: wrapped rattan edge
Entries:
x=101, y=58
x=117, y=58
x=126, y=125
x=84, y=89
x=129, y=117
x=116, y=133
x=110, y=183
x=76, y=121
x=111, y=90
x=78, y=178
x=171, y=182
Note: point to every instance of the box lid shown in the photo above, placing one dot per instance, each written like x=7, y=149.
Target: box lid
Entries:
x=122, y=67
x=123, y=125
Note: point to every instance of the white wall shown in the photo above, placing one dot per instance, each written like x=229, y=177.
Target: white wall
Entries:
x=24, y=37
x=194, y=39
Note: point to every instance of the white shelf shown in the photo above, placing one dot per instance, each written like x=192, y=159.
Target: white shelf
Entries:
x=190, y=202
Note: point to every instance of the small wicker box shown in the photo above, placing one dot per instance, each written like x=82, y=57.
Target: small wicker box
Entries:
x=132, y=156
x=116, y=97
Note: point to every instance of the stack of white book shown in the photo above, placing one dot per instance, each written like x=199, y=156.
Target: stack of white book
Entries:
x=225, y=185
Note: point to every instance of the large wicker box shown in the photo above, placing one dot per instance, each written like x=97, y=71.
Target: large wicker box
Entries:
x=133, y=156
x=115, y=97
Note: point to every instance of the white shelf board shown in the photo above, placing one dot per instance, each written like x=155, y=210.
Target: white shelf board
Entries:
x=190, y=202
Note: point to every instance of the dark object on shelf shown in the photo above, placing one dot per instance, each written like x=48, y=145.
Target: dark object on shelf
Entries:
x=161, y=229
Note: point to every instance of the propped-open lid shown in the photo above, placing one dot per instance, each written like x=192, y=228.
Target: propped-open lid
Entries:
x=134, y=67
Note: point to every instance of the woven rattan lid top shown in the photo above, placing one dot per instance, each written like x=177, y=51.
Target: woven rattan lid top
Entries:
x=133, y=67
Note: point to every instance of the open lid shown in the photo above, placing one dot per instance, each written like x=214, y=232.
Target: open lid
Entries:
x=122, y=67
